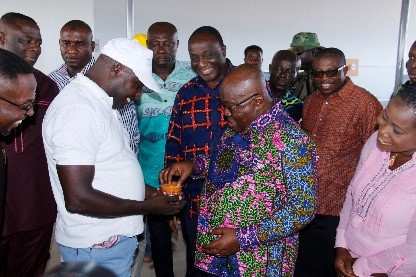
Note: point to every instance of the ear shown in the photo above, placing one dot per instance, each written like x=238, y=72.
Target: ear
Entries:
x=270, y=68
x=177, y=43
x=2, y=38
x=116, y=69
x=345, y=70
x=259, y=102
x=224, y=50
x=93, y=45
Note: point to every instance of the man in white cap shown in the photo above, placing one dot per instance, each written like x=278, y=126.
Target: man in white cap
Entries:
x=96, y=179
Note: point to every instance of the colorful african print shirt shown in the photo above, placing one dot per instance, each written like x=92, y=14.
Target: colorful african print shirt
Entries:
x=262, y=183
x=196, y=125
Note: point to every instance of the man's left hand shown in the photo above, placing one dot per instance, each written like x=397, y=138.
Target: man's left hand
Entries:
x=226, y=244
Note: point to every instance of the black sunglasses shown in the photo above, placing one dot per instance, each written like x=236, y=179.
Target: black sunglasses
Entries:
x=328, y=73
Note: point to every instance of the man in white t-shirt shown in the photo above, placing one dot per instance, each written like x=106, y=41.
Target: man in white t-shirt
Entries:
x=96, y=179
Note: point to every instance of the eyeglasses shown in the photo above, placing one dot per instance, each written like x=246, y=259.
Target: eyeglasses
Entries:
x=328, y=73
x=231, y=108
x=27, y=108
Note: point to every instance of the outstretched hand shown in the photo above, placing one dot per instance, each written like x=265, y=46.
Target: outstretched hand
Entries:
x=180, y=169
x=227, y=243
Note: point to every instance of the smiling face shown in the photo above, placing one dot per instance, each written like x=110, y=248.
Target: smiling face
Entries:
x=20, y=92
x=22, y=39
x=76, y=47
x=208, y=58
x=397, y=129
x=325, y=84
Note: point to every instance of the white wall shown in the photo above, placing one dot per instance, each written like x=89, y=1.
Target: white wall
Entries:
x=367, y=30
x=51, y=15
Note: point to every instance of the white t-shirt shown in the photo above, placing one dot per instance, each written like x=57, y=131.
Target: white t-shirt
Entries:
x=81, y=128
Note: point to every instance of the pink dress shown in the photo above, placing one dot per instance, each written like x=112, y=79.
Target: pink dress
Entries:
x=378, y=220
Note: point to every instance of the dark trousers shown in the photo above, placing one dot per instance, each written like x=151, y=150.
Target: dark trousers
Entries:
x=25, y=253
x=189, y=224
x=316, y=248
x=161, y=242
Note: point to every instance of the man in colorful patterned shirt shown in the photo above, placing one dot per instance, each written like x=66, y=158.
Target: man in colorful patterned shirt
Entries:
x=339, y=117
x=260, y=184
x=154, y=110
x=283, y=71
x=197, y=122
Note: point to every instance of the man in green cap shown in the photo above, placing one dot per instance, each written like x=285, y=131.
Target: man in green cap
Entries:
x=305, y=45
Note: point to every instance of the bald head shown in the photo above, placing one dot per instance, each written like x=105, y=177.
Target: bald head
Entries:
x=283, y=71
x=245, y=77
x=20, y=35
x=244, y=96
x=165, y=26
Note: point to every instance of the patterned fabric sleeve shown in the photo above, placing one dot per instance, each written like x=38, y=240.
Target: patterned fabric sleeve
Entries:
x=200, y=169
x=173, y=150
x=299, y=167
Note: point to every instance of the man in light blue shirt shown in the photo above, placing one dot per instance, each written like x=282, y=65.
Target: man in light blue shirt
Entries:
x=154, y=111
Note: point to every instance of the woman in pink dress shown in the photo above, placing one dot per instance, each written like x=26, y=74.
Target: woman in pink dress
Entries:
x=376, y=235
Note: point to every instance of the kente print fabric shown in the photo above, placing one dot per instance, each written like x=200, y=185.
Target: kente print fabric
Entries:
x=261, y=183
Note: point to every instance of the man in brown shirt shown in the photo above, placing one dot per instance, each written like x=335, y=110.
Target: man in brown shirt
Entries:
x=339, y=117
x=17, y=92
x=30, y=208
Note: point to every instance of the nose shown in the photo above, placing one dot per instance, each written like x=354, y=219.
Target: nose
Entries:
x=30, y=112
x=72, y=48
x=227, y=111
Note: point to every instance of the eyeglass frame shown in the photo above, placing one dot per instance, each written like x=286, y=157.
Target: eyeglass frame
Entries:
x=26, y=109
x=238, y=104
x=332, y=72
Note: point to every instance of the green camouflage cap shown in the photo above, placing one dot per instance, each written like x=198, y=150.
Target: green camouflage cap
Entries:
x=304, y=41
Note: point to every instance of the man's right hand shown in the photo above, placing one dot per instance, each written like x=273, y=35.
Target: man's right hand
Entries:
x=180, y=169
x=164, y=205
x=344, y=262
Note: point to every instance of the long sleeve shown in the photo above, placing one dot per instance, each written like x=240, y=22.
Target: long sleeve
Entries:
x=346, y=209
x=399, y=260
x=173, y=148
x=299, y=169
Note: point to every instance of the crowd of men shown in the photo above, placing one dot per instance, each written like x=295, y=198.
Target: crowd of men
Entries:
x=93, y=142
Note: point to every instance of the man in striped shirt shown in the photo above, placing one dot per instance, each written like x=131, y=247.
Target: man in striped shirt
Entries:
x=76, y=45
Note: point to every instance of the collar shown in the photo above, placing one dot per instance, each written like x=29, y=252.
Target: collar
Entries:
x=95, y=91
x=263, y=120
x=64, y=68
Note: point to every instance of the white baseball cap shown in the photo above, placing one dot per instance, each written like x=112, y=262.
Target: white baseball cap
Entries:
x=130, y=53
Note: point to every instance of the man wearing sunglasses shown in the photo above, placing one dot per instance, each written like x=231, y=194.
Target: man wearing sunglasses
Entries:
x=339, y=117
x=30, y=207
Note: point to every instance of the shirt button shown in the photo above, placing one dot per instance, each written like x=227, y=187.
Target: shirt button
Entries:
x=314, y=135
x=326, y=102
x=320, y=119
x=165, y=100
